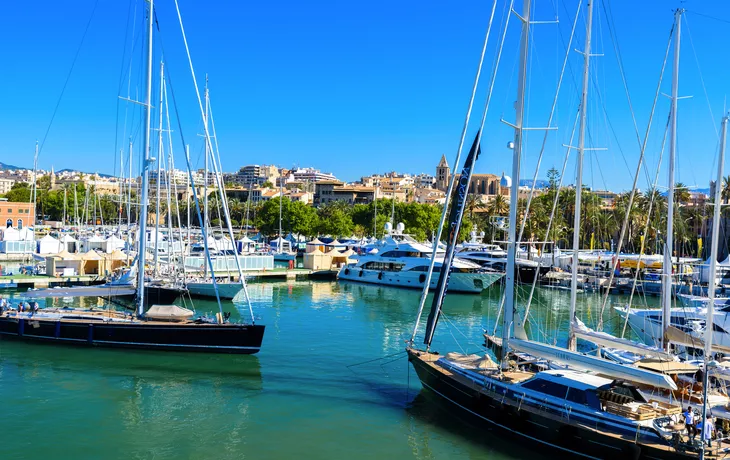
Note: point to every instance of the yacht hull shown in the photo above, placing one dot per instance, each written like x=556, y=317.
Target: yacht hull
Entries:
x=152, y=335
x=458, y=282
x=225, y=290
x=540, y=427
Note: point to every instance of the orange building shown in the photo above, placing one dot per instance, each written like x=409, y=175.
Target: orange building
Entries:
x=16, y=215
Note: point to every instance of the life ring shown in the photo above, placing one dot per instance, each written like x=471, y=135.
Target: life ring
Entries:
x=422, y=278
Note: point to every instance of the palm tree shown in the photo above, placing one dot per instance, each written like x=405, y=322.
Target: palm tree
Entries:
x=498, y=206
x=473, y=203
x=681, y=194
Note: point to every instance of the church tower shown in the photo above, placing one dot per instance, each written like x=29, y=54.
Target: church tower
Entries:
x=53, y=179
x=442, y=174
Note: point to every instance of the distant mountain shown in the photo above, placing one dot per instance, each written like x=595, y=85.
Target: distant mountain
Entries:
x=7, y=166
x=539, y=183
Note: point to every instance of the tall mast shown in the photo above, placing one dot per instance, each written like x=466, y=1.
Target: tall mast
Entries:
x=281, y=203
x=145, y=165
x=509, y=303
x=35, y=181
x=129, y=189
x=187, y=196
x=579, y=177
x=375, y=207
x=76, y=207
x=709, y=321
x=207, y=152
x=121, y=188
x=205, y=175
x=669, y=237
x=159, y=171
x=65, y=197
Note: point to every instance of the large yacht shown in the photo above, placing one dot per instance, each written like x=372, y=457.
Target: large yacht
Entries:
x=399, y=260
x=494, y=257
x=690, y=319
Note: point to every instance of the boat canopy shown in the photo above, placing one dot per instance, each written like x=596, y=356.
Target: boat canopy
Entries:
x=168, y=313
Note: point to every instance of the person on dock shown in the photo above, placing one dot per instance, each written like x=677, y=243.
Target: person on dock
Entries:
x=707, y=428
x=689, y=422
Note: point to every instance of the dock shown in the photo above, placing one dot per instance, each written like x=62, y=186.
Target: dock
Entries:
x=24, y=282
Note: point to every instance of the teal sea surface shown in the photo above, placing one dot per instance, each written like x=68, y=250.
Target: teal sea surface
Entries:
x=331, y=382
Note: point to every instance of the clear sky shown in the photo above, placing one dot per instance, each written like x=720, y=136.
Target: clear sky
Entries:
x=357, y=88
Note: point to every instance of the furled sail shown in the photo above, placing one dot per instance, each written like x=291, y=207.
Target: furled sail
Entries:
x=594, y=364
x=458, y=204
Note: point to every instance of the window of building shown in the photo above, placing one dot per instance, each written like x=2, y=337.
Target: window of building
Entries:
x=9, y=223
x=20, y=224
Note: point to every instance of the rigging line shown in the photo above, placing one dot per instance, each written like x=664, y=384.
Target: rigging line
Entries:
x=121, y=75
x=217, y=172
x=552, y=211
x=549, y=123
x=702, y=80
x=452, y=182
x=636, y=175
x=646, y=229
x=708, y=16
x=617, y=49
x=68, y=77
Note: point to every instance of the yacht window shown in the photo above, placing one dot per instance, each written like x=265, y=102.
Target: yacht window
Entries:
x=549, y=388
x=398, y=254
x=383, y=266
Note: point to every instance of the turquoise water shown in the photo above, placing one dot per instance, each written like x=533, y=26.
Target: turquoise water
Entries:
x=307, y=394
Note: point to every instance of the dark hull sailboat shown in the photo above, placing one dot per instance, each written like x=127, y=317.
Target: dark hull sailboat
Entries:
x=85, y=330
x=500, y=405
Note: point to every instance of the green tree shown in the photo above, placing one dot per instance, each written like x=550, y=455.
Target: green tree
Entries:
x=335, y=219
x=553, y=176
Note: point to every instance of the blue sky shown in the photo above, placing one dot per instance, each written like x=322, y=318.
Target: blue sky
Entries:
x=357, y=88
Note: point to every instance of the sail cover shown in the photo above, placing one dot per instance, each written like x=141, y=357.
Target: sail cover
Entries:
x=458, y=204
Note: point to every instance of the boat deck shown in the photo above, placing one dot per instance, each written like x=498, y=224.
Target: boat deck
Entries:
x=717, y=452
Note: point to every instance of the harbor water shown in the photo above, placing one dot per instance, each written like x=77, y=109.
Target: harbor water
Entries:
x=330, y=382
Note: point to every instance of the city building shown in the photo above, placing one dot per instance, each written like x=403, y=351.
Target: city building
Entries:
x=608, y=198
x=329, y=191
x=6, y=185
x=252, y=175
x=487, y=185
x=311, y=175
x=15, y=214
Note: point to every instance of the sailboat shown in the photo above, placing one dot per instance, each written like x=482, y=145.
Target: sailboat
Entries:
x=161, y=327
x=572, y=403
x=283, y=251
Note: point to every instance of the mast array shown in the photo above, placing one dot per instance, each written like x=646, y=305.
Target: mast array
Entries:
x=669, y=243
x=579, y=176
x=141, y=256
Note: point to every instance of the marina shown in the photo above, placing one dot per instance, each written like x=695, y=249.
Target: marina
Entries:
x=168, y=306
x=310, y=369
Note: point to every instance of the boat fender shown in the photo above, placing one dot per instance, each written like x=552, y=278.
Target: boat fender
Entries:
x=347, y=271
x=380, y=275
x=361, y=272
x=422, y=278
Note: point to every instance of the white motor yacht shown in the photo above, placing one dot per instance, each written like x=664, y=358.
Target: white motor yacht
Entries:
x=399, y=260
